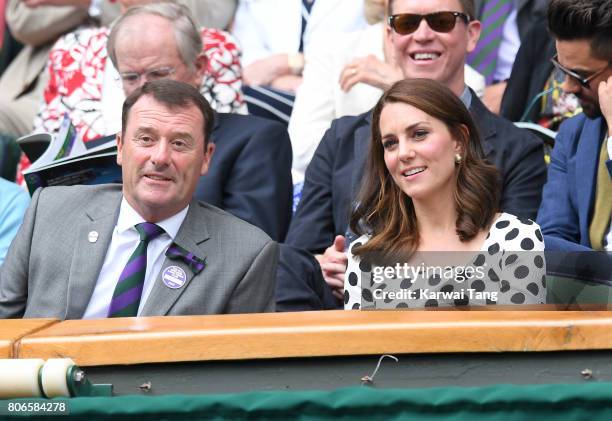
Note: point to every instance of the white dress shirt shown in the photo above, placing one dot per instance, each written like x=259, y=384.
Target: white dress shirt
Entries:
x=123, y=243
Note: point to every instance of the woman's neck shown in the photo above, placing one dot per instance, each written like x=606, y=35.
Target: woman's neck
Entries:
x=437, y=221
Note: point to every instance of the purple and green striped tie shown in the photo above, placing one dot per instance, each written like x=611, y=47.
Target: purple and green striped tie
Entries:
x=484, y=56
x=128, y=291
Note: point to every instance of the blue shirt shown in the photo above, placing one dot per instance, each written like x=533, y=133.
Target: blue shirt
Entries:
x=13, y=204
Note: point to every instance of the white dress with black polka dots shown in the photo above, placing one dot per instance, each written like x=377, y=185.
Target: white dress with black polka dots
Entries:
x=509, y=269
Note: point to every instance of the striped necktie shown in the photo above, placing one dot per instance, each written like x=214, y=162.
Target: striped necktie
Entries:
x=484, y=56
x=128, y=290
x=306, y=8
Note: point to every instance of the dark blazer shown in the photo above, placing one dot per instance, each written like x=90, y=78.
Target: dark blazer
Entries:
x=250, y=172
x=531, y=70
x=334, y=176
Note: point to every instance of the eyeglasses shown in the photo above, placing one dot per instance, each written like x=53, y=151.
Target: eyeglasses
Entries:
x=585, y=82
x=407, y=23
x=133, y=78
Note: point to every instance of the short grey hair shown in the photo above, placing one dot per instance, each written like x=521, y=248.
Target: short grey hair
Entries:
x=187, y=36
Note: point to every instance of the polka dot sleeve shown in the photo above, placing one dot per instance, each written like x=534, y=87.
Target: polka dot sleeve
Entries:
x=521, y=267
x=352, y=278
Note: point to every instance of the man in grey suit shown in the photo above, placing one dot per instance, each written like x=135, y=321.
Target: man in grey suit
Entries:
x=144, y=248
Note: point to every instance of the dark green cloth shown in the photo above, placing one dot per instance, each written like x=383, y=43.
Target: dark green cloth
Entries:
x=589, y=400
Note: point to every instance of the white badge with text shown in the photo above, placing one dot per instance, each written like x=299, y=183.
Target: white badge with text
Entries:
x=174, y=277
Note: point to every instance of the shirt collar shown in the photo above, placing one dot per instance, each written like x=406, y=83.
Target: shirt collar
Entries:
x=466, y=97
x=128, y=217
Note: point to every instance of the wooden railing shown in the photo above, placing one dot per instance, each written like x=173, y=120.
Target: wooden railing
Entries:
x=307, y=334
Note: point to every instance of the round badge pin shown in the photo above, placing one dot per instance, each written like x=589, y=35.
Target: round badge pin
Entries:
x=174, y=277
x=92, y=236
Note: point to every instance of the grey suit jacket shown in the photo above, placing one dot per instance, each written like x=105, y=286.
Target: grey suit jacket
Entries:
x=51, y=267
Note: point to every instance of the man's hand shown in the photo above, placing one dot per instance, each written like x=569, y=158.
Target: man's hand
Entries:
x=605, y=101
x=371, y=71
x=76, y=3
x=333, y=265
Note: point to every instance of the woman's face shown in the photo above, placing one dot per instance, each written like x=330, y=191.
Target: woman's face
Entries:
x=419, y=151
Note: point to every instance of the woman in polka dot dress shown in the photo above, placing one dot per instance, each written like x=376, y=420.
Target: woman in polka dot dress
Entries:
x=427, y=189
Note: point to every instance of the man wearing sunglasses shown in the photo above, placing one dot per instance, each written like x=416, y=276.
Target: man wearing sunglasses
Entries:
x=577, y=199
x=431, y=39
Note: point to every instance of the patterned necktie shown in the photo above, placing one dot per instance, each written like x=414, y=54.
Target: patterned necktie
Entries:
x=128, y=291
x=484, y=56
x=306, y=8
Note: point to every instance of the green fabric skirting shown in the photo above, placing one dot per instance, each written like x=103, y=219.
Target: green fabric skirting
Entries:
x=507, y=402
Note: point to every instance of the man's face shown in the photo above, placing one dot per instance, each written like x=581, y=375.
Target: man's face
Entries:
x=147, y=45
x=576, y=56
x=426, y=53
x=162, y=156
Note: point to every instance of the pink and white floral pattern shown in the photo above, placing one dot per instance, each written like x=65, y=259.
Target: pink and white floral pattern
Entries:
x=76, y=74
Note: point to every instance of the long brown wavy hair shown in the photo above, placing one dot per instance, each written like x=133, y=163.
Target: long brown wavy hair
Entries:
x=386, y=213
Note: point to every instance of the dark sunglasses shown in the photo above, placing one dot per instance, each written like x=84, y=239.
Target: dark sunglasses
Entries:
x=407, y=23
x=585, y=82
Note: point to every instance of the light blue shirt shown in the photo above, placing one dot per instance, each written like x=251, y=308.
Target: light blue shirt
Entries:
x=13, y=204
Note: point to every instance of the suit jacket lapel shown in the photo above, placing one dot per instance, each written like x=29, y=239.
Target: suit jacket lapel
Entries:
x=485, y=123
x=192, y=237
x=89, y=255
x=519, y=4
x=587, y=158
x=360, y=149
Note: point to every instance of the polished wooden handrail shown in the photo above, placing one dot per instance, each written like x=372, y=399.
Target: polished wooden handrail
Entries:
x=11, y=331
x=315, y=334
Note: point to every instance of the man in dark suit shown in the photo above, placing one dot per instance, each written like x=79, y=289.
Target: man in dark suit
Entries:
x=333, y=176
x=250, y=172
x=531, y=71
x=145, y=247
